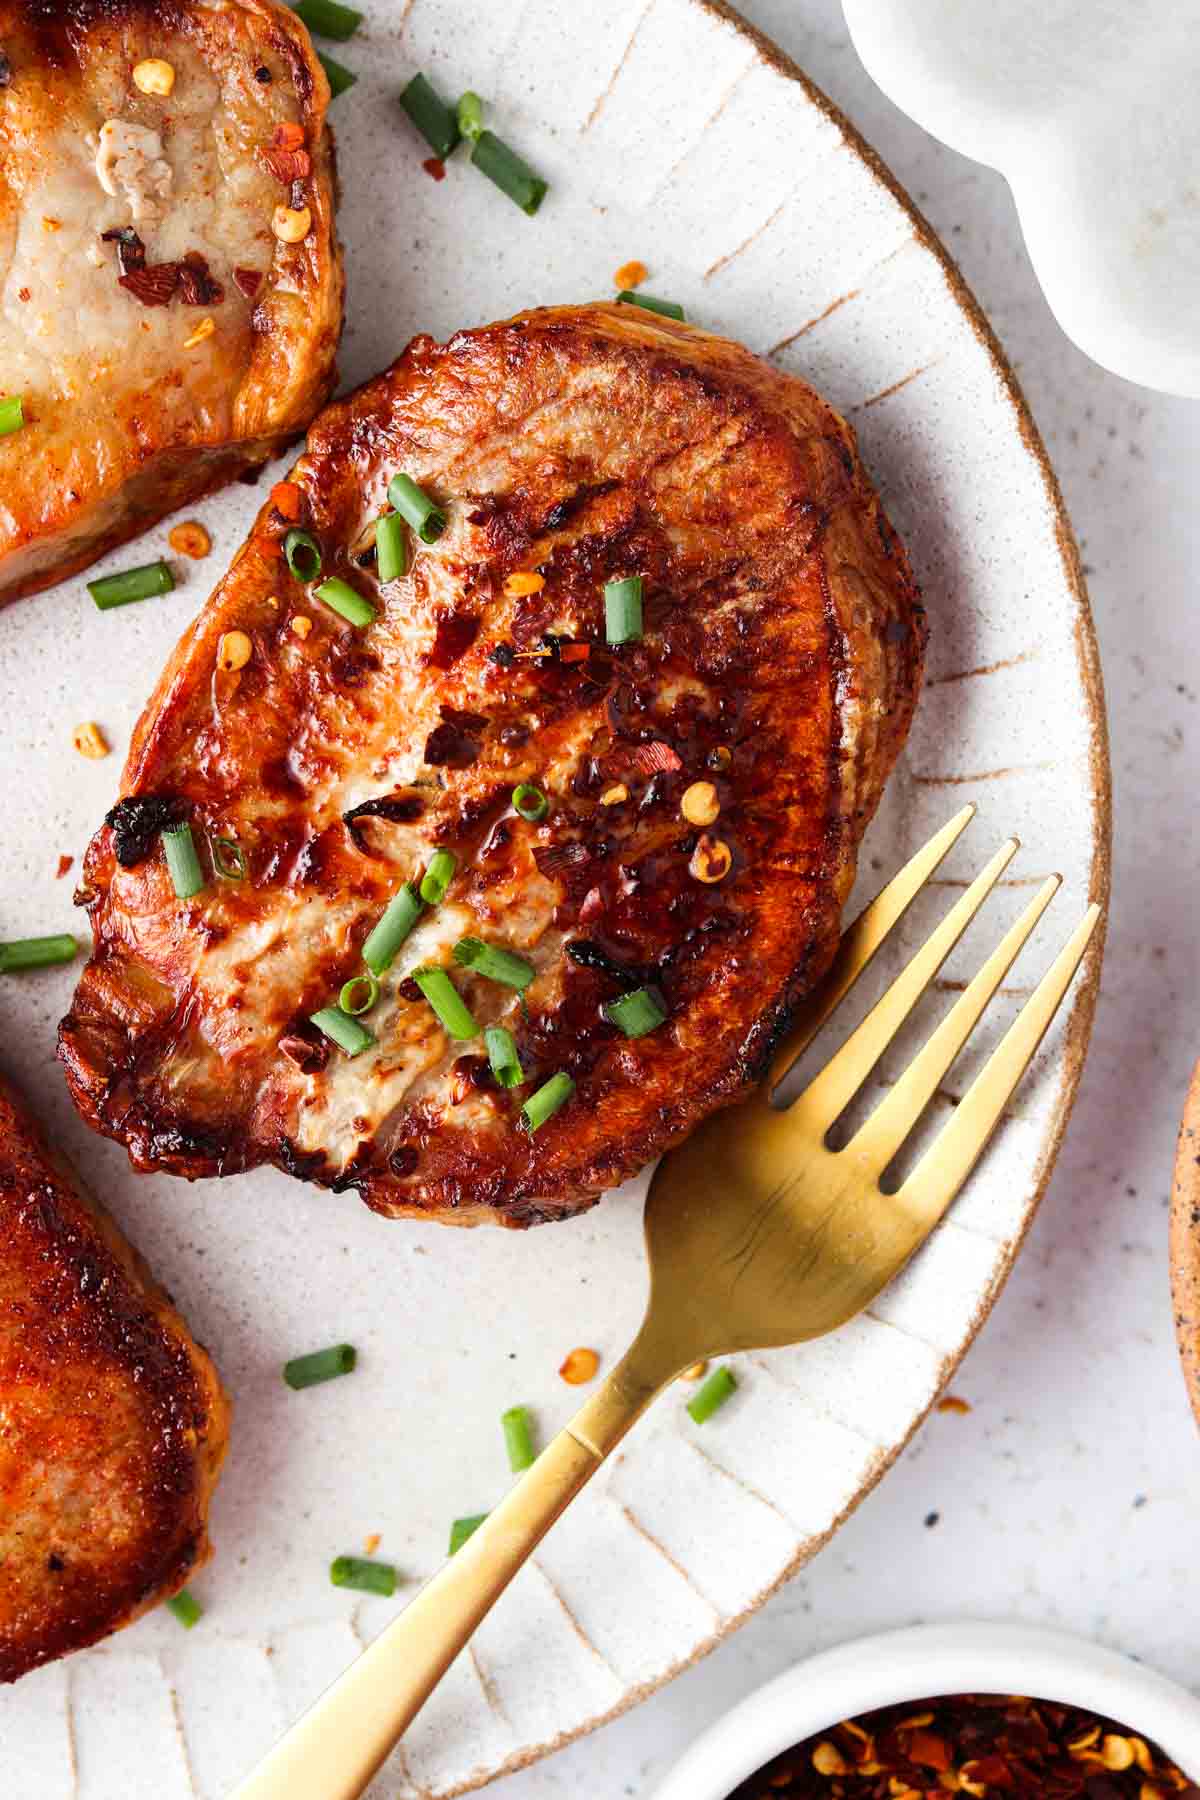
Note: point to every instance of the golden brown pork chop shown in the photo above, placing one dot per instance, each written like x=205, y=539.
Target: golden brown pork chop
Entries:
x=112, y=1420
x=707, y=784
x=163, y=338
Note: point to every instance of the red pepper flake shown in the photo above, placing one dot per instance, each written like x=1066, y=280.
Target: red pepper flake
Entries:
x=248, y=280
x=153, y=283
x=656, y=758
x=287, y=500
x=433, y=165
x=952, y=1403
x=309, y=1057
x=574, y=653
x=285, y=156
x=64, y=864
x=287, y=135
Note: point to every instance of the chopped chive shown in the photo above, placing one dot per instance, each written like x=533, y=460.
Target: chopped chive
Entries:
x=367, y=1577
x=359, y=995
x=414, y=504
x=436, y=122
x=502, y=1055
x=320, y=1365
x=637, y=1013
x=382, y=946
x=493, y=963
x=670, y=309
x=446, y=1002
x=186, y=1608
x=462, y=1529
x=530, y=802
x=344, y=599
x=510, y=172
x=37, y=953
x=438, y=876
x=348, y=1034
x=327, y=18
x=228, y=858
x=130, y=585
x=12, y=414
x=470, y=116
x=543, y=1104
x=337, y=75
x=623, y=610
x=391, y=547
x=303, y=555
x=518, y=1438
x=179, y=848
x=712, y=1394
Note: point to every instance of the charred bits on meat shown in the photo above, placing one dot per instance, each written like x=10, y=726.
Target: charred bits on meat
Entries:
x=136, y=821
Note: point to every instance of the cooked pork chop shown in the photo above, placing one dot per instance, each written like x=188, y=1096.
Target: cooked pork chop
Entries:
x=163, y=339
x=707, y=783
x=112, y=1420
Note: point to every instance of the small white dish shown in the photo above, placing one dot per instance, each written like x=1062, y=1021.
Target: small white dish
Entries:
x=921, y=1663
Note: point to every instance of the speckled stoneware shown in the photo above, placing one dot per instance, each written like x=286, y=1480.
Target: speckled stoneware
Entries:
x=1185, y=1242
x=670, y=134
x=1088, y=107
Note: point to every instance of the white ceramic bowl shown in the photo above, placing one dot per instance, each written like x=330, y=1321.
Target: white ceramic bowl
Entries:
x=919, y=1664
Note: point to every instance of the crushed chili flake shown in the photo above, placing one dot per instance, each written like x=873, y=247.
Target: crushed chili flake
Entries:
x=131, y=252
x=580, y=1366
x=656, y=758
x=151, y=283
x=248, y=281
x=64, y=864
x=953, y=1403
x=977, y=1744
x=630, y=275
x=287, y=500
x=433, y=165
x=198, y=286
x=372, y=1543
x=286, y=164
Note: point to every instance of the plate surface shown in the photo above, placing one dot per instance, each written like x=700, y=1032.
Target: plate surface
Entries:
x=670, y=134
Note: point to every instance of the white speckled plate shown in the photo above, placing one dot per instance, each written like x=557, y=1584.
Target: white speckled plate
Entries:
x=671, y=134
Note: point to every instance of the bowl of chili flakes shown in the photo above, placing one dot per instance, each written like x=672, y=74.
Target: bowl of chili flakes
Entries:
x=989, y=1712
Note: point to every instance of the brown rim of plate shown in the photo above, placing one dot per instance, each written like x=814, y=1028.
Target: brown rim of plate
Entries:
x=1087, y=987
x=1185, y=1242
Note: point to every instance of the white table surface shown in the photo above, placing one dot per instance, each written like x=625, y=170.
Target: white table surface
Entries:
x=1069, y=1494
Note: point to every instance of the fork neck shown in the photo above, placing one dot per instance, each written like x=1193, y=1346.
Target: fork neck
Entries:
x=646, y=1368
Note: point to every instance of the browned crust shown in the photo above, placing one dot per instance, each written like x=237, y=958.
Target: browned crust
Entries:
x=101, y=1387
x=817, y=674
x=1185, y=1242
x=298, y=323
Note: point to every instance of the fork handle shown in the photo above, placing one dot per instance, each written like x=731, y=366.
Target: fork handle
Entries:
x=342, y=1741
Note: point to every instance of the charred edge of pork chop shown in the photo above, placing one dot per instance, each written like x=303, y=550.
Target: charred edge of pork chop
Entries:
x=65, y=523
x=113, y=1422
x=865, y=610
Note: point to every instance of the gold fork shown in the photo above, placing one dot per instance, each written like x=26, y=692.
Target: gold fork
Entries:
x=758, y=1234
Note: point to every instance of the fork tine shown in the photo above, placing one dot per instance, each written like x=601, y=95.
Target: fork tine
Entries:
x=957, y=1147
x=838, y=1082
x=861, y=940
x=880, y=1136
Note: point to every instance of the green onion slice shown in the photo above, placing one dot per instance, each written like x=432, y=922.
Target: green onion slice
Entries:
x=367, y=1577
x=348, y=1034
x=510, y=172
x=320, y=1365
x=470, y=116
x=383, y=945
x=637, y=1013
x=37, y=953
x=623, y=610
x=327, y=18
x=670, y=309
x=436, y=122
x=502, y=1055
x=337, y=75
x=12, y=414
x=303, y=555
x=345, y=600
x=438, y=876
x=543, y=1104
x=179, y=848
x=413, y=503
x=518, y=1438
x=228, y=858
x=530, y=802
x=132, y=584
x=446, y=1002
x=186, y=1608
x=493, y=963
x=391, y=547
x=359, y=995
x=712, y=1394
x=462, y=1529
